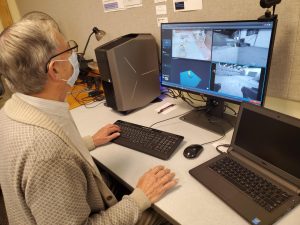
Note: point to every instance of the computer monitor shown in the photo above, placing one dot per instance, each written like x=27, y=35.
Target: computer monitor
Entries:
x=225, y=61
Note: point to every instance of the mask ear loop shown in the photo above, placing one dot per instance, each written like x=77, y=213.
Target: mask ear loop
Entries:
x=63, y=60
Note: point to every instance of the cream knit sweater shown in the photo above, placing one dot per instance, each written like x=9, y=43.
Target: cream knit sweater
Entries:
x=45, y=179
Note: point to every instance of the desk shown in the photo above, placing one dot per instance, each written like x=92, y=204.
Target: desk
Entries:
x=190, y=203
x=79, y=94
x=78, y=91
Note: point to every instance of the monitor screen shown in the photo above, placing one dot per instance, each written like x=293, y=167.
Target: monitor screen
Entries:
x=225, y=60
x=271, y=137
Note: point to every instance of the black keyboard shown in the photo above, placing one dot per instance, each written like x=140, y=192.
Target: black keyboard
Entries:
x=150, y=141
x=266, y=194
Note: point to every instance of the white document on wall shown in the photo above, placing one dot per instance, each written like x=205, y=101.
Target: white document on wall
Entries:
x=158, y=1
x=161, y=20
x=113, y=5
x=161, y=9
x=187, y=5
x=133, y=3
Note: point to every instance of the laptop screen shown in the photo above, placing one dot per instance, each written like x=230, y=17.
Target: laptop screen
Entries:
x=270, y=139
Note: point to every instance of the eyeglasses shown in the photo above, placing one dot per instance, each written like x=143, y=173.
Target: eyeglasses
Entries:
x=73, y=46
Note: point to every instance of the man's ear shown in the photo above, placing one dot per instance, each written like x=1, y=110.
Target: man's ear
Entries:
x=53, y=71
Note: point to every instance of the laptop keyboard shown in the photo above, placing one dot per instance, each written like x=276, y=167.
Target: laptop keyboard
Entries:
x=260, y=190
x=151, y=141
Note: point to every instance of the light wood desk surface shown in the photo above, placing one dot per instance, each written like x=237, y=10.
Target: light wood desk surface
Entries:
x=190, y=203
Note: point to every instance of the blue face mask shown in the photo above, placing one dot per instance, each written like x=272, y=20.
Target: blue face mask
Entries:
x=74, y=62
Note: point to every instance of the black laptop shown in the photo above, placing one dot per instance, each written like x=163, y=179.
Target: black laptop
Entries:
x=259, y=176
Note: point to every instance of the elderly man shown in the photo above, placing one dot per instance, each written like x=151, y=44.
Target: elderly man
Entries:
x=47, y=175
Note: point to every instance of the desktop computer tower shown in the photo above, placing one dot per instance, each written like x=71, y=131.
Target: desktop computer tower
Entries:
x=129, y=71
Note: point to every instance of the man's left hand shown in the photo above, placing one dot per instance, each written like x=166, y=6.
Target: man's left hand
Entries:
x=106, y=134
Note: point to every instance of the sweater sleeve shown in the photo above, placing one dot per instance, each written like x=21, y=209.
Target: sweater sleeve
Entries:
x=56, y=193
x=89, y=143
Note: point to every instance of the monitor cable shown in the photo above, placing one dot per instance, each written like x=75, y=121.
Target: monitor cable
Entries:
x=168, y=119
x=172, y=93
x=174, y=117
x=179, y=94
x=200, y=100
x=220, y=138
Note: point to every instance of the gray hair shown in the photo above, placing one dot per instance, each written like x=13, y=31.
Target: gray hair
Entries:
x=42, y=17
x=25, y=48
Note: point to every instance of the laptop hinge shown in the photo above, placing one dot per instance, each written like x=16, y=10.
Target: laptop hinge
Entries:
x=266, y=172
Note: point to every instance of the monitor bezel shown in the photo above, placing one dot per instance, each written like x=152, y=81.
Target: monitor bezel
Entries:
x=218, y=97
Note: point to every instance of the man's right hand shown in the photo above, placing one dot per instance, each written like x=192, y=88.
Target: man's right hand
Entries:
x=156, y=182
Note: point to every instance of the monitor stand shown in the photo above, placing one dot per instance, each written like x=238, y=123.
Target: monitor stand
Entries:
x=211, y=117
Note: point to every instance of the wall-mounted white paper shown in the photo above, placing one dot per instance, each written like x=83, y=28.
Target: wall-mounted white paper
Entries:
x=132, y=3
x=187, y=5
x=161, y=9
x=158, y=1
x=161, y=20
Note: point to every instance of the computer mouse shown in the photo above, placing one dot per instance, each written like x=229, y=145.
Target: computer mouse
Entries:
x=192, y=151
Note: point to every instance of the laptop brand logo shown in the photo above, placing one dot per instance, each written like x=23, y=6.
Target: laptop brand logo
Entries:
x=256, y=221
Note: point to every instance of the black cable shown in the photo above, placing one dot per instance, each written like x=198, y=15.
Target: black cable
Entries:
x=209, y=142
x=86, y=105
x=75, y=97
x=185, y=99
x=188, y=101
x=198, y=109
x=179, y=94
x=227, y=106
x=167, y=119
x=84, y=100
x=172, y=93
x=223, y=135
x=200, y=100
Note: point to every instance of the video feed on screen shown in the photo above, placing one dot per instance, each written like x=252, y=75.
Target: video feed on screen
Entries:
x=236, y=80
x=185, y=73
x=241, y=46
x=192, y=44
